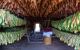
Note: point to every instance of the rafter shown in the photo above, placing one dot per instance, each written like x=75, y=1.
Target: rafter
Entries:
x=41, y=8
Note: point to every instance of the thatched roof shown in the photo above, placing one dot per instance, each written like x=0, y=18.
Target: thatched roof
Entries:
x=41, y=8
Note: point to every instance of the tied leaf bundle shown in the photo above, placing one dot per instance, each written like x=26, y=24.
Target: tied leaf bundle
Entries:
x=9, y=20
x=11, y=35
x=69, y=24
x=11, y=27
x=68, y=38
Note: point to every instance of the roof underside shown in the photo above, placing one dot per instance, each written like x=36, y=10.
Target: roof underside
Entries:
x=41, y=8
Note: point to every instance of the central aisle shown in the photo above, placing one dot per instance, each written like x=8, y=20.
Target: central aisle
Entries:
x=23, y=45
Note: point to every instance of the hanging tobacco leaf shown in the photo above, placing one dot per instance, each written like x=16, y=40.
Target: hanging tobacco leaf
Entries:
x=9, y=20
x=41, y=8
x=69, y=24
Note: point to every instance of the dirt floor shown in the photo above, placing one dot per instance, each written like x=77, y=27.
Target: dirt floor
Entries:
x=23, y=45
